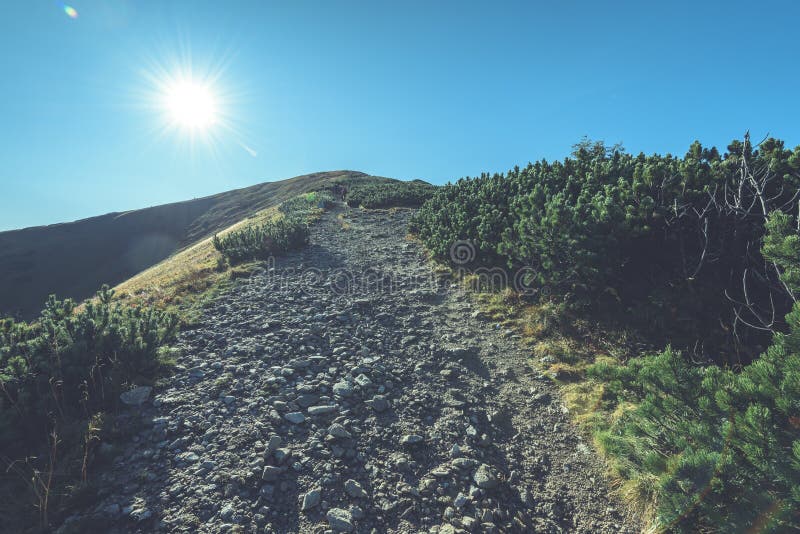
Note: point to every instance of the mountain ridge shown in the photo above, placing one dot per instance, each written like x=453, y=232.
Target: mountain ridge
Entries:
x=73, y=259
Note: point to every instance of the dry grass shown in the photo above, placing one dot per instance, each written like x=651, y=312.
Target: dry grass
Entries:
x=190, y=277
x=73, y=260
x=344, y=224
x=564, y=347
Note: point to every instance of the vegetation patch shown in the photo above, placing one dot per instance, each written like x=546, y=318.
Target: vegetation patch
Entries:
x=285, y=232
x=671, y=244
x=660, y=289
x=58, y=377
x=263, y=241
x=389, y=194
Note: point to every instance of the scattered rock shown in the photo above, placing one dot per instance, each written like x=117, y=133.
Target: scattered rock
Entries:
x=363, y=380
x=340, y=520
x=189, y=457
x=304, y=401
x=136, y=396
x=271, y=473
x=311, y=499
x=343, y=389
x=379, y=403
x=411, y=439
x=354, y=489
x=295, y=417
x=338, y=431
x=460, y=500
x=484, y=477
x=322, y=410
x=274, y=444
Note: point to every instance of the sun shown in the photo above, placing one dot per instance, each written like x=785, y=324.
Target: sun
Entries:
x=197, y=107
x=190, y=105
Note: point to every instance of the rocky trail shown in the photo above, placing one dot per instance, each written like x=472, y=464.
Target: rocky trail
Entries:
x=346, y=389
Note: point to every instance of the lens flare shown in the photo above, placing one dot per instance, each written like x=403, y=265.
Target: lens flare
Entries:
x=71, y=12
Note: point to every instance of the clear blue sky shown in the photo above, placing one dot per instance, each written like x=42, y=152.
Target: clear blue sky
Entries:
x=413, y=89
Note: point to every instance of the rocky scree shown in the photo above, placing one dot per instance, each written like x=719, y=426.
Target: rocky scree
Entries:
x=313, y=400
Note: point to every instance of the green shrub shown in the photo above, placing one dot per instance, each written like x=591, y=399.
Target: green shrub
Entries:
x=782, y=248
x=74, y=361
x=389, y=194
x=58, y=372
x=660, y=240
x=259, y=242
x=289, y=232
x=724, y=447
x=304, y=205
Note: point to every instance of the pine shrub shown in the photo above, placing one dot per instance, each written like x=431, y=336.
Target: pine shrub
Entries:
x=662, y=241
x=288, y=232
x=259, y=242
x=389, y=194
x=75, y=360
x=61, y=371
x=723, y=447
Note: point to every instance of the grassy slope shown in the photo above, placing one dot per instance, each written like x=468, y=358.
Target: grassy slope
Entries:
x=75, y=259
x=190, y=277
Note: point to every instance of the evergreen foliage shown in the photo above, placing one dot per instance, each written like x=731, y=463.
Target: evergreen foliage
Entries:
x=59, y=372
x=664, y=241
x=722, y=448
x=289, y=232
x=259, y=242
x=74, y=361
x=782, y=247
x=705, y=249
x=389, y=194
x=304, y=205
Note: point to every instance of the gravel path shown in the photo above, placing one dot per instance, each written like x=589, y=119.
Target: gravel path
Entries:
x=346, y=389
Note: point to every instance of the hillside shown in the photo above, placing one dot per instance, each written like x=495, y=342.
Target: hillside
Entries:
x=311, y=397
x=509, y=352
x=75, y=259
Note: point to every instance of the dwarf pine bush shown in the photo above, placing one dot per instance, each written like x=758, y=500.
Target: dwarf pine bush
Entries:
x=389, y=194
x=699, y=251
x=671, y=243
x=304, y=205
x=73, y=361
x=722, y=447
x=56, y=375
x=288, y=232
x=259, y=242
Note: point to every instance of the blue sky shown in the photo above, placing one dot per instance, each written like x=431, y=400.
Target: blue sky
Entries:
x=414, y=89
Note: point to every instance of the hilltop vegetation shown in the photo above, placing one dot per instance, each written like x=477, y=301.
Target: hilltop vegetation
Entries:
x=701, y=253
x=285, y=232
x=389, y=194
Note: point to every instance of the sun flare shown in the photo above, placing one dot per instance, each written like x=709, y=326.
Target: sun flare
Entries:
x=195, y=106
x=190, y=105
